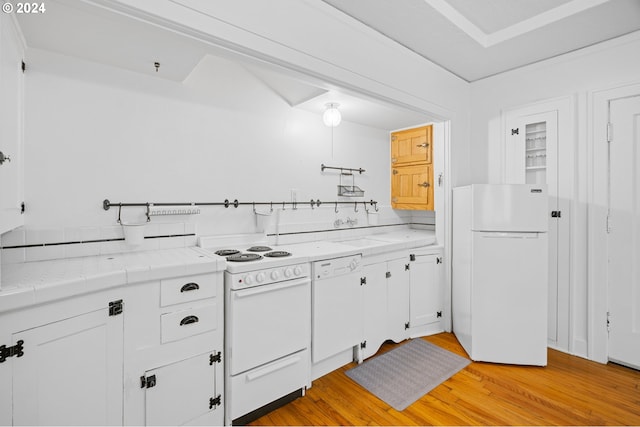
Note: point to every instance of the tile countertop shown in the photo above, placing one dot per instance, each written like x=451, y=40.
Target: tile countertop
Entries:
x=367, y=245
x=29, y=283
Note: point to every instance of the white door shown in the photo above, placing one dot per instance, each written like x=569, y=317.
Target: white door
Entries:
x=398, y=299
x=425, y=304
x=180, y=392
x=533, y=156
x=267, y=322
x=70, y=373
x=374, y=307
x=624, y=232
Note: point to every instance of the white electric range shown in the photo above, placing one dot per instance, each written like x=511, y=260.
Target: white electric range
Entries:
x=267, y=324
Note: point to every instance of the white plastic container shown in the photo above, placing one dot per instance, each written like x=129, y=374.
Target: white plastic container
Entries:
x=133, y=233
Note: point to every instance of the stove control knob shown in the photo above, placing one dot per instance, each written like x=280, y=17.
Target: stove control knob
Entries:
x=248, y=279
x=297, y=270
x=288, y=272
x=275, y=275
x=260, y=277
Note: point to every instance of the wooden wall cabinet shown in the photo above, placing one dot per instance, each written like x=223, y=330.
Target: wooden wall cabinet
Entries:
x=412, y=169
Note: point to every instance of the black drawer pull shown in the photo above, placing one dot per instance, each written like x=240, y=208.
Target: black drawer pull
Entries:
x=188, y=320
x=190, y=287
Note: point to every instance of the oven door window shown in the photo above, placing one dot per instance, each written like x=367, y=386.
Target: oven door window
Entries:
x=268, y=322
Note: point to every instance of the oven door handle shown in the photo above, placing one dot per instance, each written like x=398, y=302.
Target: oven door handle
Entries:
x=268, y=288
x=269, y=369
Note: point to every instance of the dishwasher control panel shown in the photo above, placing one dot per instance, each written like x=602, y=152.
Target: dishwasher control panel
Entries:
x=336, y=266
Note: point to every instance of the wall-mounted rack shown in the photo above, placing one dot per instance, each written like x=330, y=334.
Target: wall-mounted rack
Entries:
x=106, y=205
x=346, y=171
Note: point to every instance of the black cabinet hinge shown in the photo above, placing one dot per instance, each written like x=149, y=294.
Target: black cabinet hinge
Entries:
x=215, y=358
x=406, y=325
x=23, y=66
x=556, y=214
x=412, y=257
x=439, y=314
x=13, y=350
x=22, y=207
x=363, y=344
x=439, y=260
x=387, y=274
x=407, y=267
x=363, y=281
x=215, y=401
x=148, y=382
x=115, y=308
x=515, y=131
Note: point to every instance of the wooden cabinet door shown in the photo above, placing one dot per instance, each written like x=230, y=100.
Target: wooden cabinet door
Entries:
x=412, y=145
x=412, y=187
x=71, y=372
x=11, y=106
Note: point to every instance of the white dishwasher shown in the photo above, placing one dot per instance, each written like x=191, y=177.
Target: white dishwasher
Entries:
x=337, y=324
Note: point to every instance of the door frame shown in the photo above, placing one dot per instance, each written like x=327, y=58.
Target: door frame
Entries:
x=597, y=253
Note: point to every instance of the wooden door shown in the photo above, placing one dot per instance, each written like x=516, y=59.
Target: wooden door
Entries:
x=623, y=274
x=412, y=145
x=71, y=372
x=411, y=187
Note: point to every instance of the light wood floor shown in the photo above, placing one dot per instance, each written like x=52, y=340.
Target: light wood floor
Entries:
x=568, y=391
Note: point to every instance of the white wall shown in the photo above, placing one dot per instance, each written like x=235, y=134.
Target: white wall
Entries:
x=576, y=75
x=94, y=132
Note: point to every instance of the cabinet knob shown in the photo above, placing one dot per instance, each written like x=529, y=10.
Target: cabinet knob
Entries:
x=395, y=171
x=424, y=184
x=423, y=145
x=4, y=158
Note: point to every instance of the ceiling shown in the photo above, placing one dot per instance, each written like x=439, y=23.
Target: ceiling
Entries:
x=471, y=38
x=475, y=39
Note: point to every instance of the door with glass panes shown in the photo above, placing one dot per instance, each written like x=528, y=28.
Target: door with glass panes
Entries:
x=532, y=157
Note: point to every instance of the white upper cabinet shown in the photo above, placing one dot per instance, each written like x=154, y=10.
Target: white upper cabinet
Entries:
x=11, y=133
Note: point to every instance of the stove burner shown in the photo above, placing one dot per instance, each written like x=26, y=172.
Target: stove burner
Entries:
x=244, y=257
x=277, y=254
x=225, y=252
x=259, y=249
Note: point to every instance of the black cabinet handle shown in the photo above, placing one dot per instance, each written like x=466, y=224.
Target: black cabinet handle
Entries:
x=188, y=320
x=190, y=287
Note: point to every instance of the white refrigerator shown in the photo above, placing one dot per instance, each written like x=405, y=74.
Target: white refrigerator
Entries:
x=499, y=272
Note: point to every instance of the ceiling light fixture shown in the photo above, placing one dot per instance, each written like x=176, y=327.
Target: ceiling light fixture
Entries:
x=332, y=116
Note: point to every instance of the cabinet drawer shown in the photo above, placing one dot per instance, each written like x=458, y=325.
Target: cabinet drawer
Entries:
x=190, y=288
x=185, y=323
x=262, y=385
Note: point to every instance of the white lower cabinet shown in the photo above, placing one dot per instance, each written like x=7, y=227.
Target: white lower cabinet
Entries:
x=70, y=372
x=174, y=371
x=117, y=357
x=402, y=296
x=182, y=391
x=426, y=291
x=385, y=302
x=62, y=362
